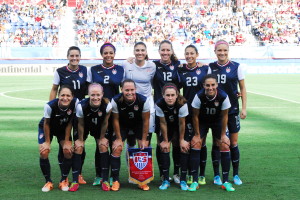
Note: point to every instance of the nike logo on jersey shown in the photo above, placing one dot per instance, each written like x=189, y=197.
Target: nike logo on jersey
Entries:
x=99, y=72
x=215, y=70
x=184, y=73
x=57, y=115
x=123, y=108
x=67, y=76
x=159, y=67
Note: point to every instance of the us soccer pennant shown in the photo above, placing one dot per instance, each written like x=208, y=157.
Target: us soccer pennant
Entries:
x=140, y=165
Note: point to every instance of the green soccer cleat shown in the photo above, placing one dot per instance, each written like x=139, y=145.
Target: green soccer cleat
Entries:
x=201, y=180
x=228, y=187
x=189, y=179
x=193, y=187
x=97, y=181
x=111, y=180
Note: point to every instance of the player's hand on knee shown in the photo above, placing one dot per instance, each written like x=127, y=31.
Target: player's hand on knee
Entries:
x=45, y=146
x=67, y=147
x=117, y=143
x=184, y=146
x=164, y=146
x=79, y=145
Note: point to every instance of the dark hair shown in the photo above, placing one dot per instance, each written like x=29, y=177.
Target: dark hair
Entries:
x=191, y=46
x=180, y=99
x=68, y=87
x=142, y=43
x=127, y=81
x=173, y=56
x=107, y=45
x=213, y=76
x=73, y=48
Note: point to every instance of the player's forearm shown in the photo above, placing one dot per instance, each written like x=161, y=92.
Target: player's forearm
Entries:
x=68, y=131
x=80, y=128
x=181, y=128
x=163, y=129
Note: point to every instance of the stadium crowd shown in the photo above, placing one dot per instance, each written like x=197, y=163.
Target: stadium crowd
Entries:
x=97, y=22
x=24, y=24
x=185, y=24
x=274, y=24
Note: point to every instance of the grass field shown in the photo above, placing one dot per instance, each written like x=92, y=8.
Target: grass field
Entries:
x=269, y=144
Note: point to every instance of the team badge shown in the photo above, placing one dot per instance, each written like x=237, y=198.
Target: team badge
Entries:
x=136, y=107
x=140, y=159
x=69, y=112
x=114, y=71
x=175, y=112
x=216, y=103
x=198, y=71
x=171, y=67
x=228, y=69
x=100, y=113
x=80, y=74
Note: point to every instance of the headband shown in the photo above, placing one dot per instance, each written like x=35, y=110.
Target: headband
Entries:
x=221, y=42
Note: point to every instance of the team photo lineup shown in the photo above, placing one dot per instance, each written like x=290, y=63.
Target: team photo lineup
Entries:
x=122, y=106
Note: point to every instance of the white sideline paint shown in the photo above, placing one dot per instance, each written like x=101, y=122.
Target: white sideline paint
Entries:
x=22, y=99
x=274, y=97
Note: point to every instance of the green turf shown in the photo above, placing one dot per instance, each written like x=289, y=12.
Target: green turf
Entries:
x=269, y=144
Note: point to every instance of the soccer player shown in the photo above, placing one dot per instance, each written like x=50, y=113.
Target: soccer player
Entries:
x=57, y=121
x=142, y=71
x=166, y=72
x=230, y=77
x=110, y=77
x=191, y=77
x=93, y=114
x=75, y=76
x=210, y=111
x=131, y=113
x=171, y=110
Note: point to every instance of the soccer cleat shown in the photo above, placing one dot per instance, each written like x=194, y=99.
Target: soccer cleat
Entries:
x=165, y=185
x=64, y=186
x=47, y=187
x=201, y=180
x=97, y=181
x=105, y=186
x=74, y=187
x=115, y=186
x=237, y=180
x=111, y=180
x=193, y=187
x=183, y=186
x=81, y=180
x=176, y=178
x=189, y=179
x=217, y=180
x=144, y=187
x=228, y=187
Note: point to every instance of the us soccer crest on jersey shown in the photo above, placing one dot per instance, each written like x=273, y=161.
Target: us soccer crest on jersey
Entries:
x=140, y=165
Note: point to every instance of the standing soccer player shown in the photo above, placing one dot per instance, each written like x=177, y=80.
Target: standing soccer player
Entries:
x=110, y=77
x=166, y=72
x=57, y=121
x=171, y=110
x=75, y=76
x=230, y=77
x=210, y=111
x=131, y=113
x=93, y=114
x=191, y=77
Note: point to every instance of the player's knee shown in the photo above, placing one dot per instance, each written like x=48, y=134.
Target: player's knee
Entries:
x=44, y=154
x=117, y=151
x=67, y=154
x=103, y=148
